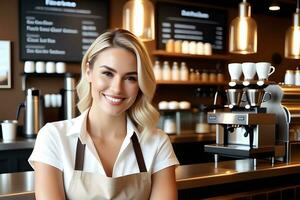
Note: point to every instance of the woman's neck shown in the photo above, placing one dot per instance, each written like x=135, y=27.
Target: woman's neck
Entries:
x=101, y=125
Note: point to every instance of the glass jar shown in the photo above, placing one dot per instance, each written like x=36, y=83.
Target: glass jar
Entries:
x=289, y=77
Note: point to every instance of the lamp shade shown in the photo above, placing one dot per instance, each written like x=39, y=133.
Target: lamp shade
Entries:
x=243, y=32
x=292, y=39
x=138, y=18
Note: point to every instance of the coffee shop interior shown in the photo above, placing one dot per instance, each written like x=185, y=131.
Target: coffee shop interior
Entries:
x=228, y=87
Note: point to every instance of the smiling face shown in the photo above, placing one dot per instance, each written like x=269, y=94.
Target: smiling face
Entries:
x=114, y=81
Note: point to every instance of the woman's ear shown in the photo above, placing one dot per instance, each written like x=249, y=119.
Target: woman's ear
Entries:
x=88, y=72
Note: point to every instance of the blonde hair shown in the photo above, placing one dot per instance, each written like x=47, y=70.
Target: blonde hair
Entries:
x=142, y=113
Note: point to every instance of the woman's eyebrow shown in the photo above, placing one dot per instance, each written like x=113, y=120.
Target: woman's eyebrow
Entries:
x=115, y=71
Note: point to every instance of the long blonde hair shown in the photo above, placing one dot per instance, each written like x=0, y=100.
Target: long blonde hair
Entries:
x=142, y=113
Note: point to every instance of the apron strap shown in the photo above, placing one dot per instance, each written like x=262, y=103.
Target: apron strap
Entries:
x=138, y=153
x=80, y=149
x=79, y=155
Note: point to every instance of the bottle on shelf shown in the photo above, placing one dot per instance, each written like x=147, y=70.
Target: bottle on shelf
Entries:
x=184, y=72
x=220, y=77
x=212, y=77
x=185, y=46
x=204, y=76
x=157, y=71
x=170, y=45
x=177, y=46
x=175, y=72
x=198, y=75
x=166, y=71
x=192, y=75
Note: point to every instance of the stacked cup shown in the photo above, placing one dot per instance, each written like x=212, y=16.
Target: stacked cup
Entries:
x=249, y=69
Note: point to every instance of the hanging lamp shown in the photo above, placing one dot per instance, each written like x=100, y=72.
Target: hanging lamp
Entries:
x=243, y=31
x=138, y=18
x=292, y=37
x=274, y=6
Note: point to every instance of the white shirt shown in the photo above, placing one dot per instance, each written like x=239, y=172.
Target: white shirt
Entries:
x=56, y=146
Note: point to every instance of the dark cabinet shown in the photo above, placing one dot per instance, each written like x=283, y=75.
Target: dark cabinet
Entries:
x=15, y=160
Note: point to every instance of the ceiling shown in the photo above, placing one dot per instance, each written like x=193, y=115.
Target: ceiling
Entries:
x=288, y=7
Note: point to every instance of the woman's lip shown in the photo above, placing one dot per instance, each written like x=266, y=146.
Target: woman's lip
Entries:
x=115, y=100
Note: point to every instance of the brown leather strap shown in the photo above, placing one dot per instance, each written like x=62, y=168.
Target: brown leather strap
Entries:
x=79, y=155
x=138, y=153
x=80, y=149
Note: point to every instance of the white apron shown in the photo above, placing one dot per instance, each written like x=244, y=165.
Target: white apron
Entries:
x=86, y=185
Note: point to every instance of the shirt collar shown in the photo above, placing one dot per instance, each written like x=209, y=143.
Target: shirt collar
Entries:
x=79, y=127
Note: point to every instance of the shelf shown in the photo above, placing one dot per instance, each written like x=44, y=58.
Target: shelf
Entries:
x=181, y=55
x=43, y=75
x=189, y=83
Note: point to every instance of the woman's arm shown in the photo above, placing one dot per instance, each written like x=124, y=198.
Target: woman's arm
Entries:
x=164, y=185
x=48, y=182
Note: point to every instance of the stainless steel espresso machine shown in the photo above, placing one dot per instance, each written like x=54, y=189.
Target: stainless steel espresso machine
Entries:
x=253, y=124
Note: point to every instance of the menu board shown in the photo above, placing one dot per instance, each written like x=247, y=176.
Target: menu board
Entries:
x=60, y=30
x=191, y=23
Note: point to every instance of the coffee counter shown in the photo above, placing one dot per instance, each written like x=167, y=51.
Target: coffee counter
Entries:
x=189, y=177
x=19, y=143
x=23, y=143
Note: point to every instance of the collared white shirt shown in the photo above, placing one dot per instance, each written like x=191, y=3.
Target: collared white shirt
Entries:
x=56, y=146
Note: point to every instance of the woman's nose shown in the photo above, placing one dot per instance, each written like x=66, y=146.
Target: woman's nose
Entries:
x=116, y=85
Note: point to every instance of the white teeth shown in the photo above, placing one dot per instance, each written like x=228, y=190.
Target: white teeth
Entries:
x=114, y=100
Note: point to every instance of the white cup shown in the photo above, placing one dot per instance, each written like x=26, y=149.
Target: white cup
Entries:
x=9, y=130
x=53, y=100
x=264, y=70
x=173, y=105
x=40, y=67
x=50, y=67
x=58, y=100
x=235, y=71
x=29, y=67
x=47, y=100
x=60, y=67
x=169, y=125
x=249, y=70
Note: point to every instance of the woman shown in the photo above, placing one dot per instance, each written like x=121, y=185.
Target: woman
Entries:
x=112, y=150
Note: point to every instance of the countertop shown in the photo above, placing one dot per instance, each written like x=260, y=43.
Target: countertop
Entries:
x=23, y=143
x=19, y=143
x=187, y=176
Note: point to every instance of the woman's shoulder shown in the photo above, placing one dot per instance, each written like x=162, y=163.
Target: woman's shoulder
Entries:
x=61, y=128
x=156, y=136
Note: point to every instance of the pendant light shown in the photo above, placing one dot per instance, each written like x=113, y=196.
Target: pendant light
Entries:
x=138, y=18
x=292, y=37
x=274, y=6
x=243, y=31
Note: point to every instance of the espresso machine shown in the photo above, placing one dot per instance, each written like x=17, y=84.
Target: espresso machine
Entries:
x=253, y=124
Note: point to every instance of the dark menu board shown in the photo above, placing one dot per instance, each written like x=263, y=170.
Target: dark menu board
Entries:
x=191, y=23
x=60, y=30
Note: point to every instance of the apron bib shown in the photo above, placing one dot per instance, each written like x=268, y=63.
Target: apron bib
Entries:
x=92, y=186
